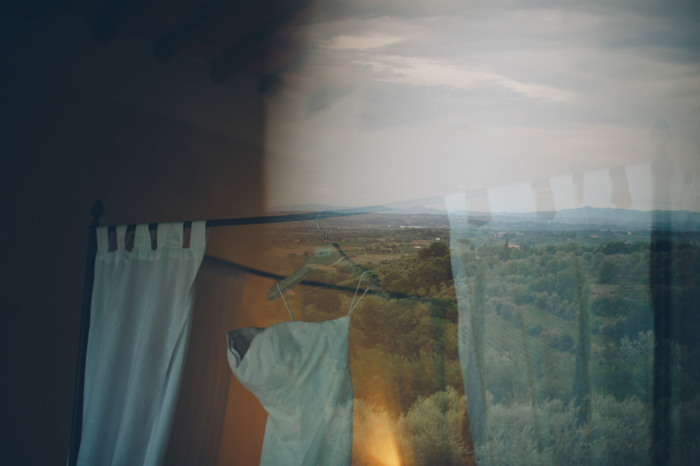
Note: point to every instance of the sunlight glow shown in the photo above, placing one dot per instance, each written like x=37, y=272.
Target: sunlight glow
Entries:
x=383, y=448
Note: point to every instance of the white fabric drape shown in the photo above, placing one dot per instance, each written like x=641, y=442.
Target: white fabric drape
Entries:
x=569, y=381
x=141, y=304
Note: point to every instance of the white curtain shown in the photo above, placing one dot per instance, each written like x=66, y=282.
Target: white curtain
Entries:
x=576, y=324
x=141, y=306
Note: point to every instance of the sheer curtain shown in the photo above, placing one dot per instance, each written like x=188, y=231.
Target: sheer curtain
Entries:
x=578, y=326
x=141, y=306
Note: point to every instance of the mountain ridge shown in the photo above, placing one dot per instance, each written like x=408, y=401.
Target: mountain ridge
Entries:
x=565, y=218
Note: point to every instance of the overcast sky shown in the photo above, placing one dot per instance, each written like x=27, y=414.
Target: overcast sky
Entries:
x=399, y=100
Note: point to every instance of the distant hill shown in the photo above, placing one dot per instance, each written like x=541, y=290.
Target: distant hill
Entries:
x=568, y=219
x=313, y=207
x=310, y=207
x=416, y=210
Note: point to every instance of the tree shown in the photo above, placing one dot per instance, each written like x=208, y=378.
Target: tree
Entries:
x=608, y=271
x=437, y=249
x=566, y=284
x=506, y=250
x=478, y=314
x=582, y=387
x=479, y=294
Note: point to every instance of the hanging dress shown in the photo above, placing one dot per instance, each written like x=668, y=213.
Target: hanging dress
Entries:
x=300, y=373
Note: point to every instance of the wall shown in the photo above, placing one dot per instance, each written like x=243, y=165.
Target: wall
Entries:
x=84, y=121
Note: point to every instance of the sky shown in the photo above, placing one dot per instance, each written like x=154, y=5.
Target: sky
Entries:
x=396, y=101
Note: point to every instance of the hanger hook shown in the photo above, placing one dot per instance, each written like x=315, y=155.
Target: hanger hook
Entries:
x=319, y=227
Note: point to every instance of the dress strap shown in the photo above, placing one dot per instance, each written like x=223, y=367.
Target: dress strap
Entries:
x=289, y=307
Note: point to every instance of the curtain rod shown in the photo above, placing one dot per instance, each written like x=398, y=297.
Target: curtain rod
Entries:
x=323, y=214
x=301, y=217
x=469, y=194
x=295, y=217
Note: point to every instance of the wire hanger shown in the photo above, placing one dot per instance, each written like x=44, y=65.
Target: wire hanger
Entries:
x=353, y=304
x=331, y=254
x=289, y=306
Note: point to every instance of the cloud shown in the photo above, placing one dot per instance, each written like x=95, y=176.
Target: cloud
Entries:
x=546, y=88
x=362, y=42
x=422, y=72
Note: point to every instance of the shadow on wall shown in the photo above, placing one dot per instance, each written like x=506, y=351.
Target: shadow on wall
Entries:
x=86, y=121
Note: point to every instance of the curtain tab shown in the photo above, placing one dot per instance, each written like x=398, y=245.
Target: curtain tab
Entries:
x=121, y=237
x=544, y=199
x=170, y=234
x=198, y=236
x=142, y=237
x=620, y=194
x=102, y=239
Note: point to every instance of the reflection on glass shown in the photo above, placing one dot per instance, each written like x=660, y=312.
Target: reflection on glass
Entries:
x=557, y=326
x=574, y=334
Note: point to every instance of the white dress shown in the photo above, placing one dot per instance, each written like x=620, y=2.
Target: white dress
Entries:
x=300, y=373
